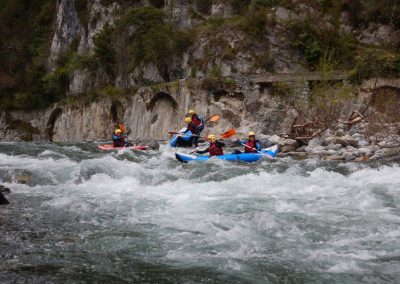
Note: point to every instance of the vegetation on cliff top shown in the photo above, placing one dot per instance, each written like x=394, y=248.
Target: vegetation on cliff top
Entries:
x=143, y=35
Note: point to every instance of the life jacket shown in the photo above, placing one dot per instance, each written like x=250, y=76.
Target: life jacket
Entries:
x=118, y=141
x=251, y=144
x=197, y=120
x=192, y=127
x=215, y=150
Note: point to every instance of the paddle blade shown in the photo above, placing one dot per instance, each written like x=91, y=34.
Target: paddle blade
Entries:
x=214, y=118
x=122, y=127
x=229, y=133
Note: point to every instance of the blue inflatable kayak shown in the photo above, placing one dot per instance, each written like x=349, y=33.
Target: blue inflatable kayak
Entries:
x=245, y=157
x=185, y=136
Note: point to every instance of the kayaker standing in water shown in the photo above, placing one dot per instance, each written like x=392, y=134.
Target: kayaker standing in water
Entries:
x=197, y=124
x=118, y=138
x=252, y=145
x=215, y=147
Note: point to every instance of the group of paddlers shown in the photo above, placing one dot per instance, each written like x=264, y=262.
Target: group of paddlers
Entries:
x=195, y=125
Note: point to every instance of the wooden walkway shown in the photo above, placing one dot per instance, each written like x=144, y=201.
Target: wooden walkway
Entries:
x=300, y=77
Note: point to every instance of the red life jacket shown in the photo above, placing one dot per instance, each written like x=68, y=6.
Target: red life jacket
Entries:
x=196, y=120
x=251, y=144
x=215, y=150
x=191, y=127
x=119, y=143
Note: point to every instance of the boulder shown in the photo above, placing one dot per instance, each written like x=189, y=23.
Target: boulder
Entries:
x=385, y=153
x=361, y=159
x=3, y=200
x=334, y=158
x=152, y=143
x=346, y=141
x=4, y=189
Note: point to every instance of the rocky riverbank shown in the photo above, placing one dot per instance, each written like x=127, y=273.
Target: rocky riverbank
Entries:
x=338, y=146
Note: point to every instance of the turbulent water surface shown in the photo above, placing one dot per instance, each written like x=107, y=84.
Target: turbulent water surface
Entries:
x=80, y=215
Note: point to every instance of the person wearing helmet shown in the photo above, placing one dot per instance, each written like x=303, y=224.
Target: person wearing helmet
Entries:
x=197, y=124
x=251, y=145
x=214, y=148
x=118, y=138
x=181, y=142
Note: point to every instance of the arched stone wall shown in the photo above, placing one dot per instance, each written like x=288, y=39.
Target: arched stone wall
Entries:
x=51, y=122
x=116, y=111
x=162, y=110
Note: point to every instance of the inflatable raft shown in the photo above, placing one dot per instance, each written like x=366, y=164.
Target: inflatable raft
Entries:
x=245, y=157
x=185, y=136
x=109, y=147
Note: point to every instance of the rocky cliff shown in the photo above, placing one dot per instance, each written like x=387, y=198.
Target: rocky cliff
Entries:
x=147, y=62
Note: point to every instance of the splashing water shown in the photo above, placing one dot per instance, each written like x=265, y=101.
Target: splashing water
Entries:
x=81, y=215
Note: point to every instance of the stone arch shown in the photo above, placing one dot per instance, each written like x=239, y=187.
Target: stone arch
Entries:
x=54, y=116
x=162, y=96
x=116, y=111
x=162, y=115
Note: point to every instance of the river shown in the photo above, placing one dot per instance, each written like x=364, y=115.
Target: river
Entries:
x=82, y=215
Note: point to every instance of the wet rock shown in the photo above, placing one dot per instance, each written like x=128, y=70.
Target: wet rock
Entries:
x=3, y=200
x=385, y=153
x=362, y=143
x=346, y=141
x=335, y=147
x=361, y=159
x=152, y=143
x=4, y=189
x=334, y=158
x=364, y=152
x=22, y=179
x=349, y=157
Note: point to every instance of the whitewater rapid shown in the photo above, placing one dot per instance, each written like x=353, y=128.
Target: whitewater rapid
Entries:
x=82, y=215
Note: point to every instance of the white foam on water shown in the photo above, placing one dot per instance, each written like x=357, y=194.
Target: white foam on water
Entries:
x=202, y=216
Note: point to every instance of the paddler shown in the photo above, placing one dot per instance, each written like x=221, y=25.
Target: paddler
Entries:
x=118, y=138
x=198, y=126
x=252, y=145
x=181, y=142
x=214, y=148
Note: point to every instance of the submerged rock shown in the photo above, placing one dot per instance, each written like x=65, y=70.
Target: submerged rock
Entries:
x=4, y=189
x=3, y=200
x=152, y=143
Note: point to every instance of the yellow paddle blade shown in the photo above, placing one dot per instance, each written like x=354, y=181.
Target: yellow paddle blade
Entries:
x=214, y=118
x=229, y=133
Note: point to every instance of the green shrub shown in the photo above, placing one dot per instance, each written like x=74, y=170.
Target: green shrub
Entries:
x=104, y=50
x=376, y=63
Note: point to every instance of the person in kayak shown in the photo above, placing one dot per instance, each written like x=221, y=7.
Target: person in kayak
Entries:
x=181, y=142
x=198, y=126
x=118, y=138
x=215, y=147
x=252, y=145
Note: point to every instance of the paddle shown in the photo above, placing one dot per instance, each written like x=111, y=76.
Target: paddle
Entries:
x=259, y=152
x=224, y=135
x=213, y=118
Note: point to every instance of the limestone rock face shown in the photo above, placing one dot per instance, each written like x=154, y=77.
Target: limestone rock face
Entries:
x=67, y=29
